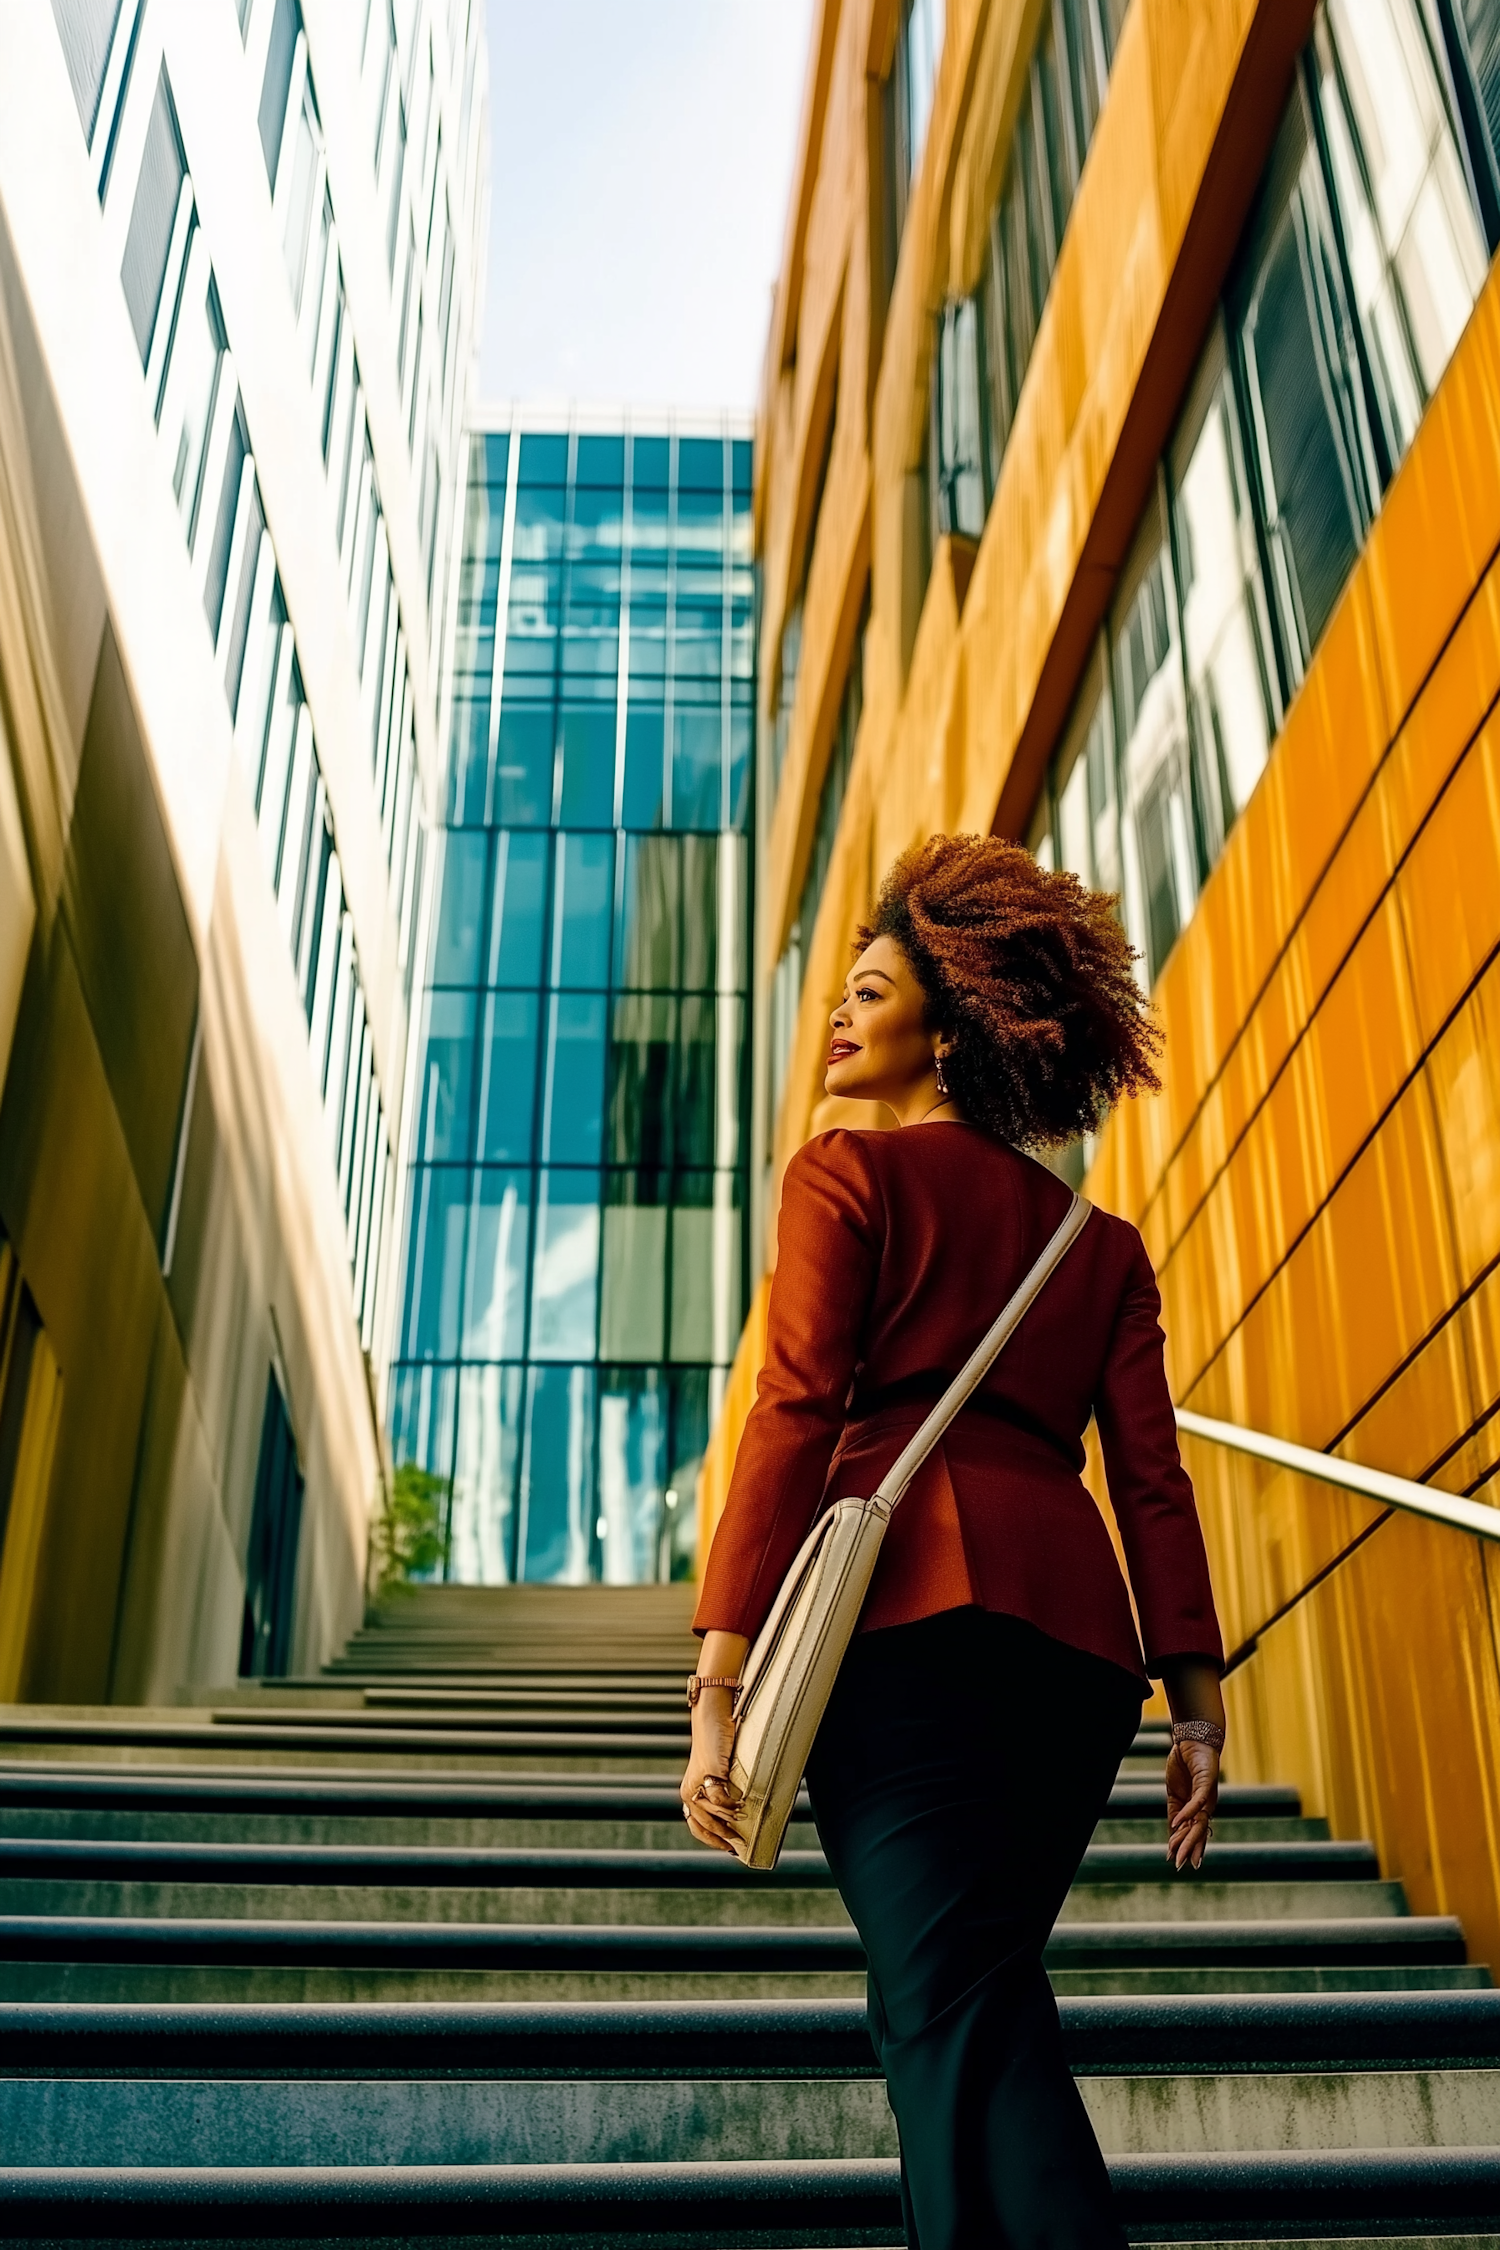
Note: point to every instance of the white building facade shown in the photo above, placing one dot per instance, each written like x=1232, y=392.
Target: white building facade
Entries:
x=240, y=255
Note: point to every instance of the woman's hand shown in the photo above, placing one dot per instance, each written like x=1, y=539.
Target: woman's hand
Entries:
x=1192, y=1794
x=706, y=1787
x=1193, y=1692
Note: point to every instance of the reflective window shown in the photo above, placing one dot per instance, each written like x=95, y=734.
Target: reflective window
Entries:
x=1415, y=254
x=508, y=1077
x=276, y=82
x=912, y=83
x=518, y=924
x=583, y=1040
x=1359, y=264
x=1233, y=703
x=153, y=218
x=458, y=948
x=565, y=1276
x=494, y=1324
x=87, y=30
x=1311, y=442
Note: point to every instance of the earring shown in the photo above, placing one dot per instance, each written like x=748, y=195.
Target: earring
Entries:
x=942, y=1081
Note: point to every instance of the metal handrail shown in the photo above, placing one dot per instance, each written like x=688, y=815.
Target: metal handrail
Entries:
x=1371, y=1484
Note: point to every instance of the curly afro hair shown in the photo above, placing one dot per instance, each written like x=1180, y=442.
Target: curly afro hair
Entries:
x=1031, y=976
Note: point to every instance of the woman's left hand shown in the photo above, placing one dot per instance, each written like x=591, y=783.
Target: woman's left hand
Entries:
x=1192, y=1796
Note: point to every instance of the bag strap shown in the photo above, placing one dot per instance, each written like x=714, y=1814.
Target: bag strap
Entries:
x=974, y=1370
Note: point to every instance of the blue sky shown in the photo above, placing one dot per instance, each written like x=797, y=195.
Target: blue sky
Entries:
x=641, y=156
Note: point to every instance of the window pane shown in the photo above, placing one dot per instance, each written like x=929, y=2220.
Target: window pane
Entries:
x=700, y=912
x=741, y=736
x=277, y=82
x=640, y=1080
x=434, y=1266
x=697, y=746
x=1087, y=66
x=1310, y=452
x=1479, y=26
x=523, y=772
x=573, y=1094
x=588, y=764
x=1415, y=254
x=458, y=950
x=488, y=1452
x=216, y=574
x=583, y=907
x=519, y=921
x=468, y=758
x=544, y=460
x=507, y=1090
x=692, y=1336
x=540, y=516
x=1056, y=130
x=633, y=1300
x=191, y=387
x=445, y=1120
x=644, y=766
x=499, y=1244
x=633, y=1438
x=1229, y=662
x=422, y=1406
x=646, y=947
x=557, y=1476
x=601, y=461
x=700, y=516
x=598, y=521
x=87, y=31
x=693, y=1100
x=1162, y=857
x=565, y=1275
x=148, y=243
x=960, y=470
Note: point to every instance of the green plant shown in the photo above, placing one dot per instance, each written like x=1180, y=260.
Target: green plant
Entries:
x=409, y=1538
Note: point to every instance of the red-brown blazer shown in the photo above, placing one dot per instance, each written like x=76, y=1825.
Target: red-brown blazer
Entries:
x=896, y=1252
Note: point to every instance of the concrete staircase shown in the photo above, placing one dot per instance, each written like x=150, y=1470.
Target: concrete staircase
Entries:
x=420, y=1951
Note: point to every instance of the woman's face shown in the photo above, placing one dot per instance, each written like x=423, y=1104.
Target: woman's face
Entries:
x=881, y=1050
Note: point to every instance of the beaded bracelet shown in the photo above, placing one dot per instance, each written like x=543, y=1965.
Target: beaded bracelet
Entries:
x=1198, y=1730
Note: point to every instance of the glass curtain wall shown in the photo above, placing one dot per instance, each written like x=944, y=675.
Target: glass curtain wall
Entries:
x=1359, y=266
x=574, y=1277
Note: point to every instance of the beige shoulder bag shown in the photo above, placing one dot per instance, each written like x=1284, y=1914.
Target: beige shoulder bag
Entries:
x=791, y=1668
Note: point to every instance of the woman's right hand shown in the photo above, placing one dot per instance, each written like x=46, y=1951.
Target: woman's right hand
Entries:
x=707, y=1790
x=1192, y=1794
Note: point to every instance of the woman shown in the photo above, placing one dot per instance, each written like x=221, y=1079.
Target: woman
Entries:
x=981, y=1714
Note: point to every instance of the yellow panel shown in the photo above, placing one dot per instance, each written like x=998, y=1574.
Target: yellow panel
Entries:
x=1464, y=1075
x=1450, y=886
x=1386, y=1712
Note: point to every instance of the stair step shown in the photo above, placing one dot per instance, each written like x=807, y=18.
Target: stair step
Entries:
x=809, y=2039
x=1193, y=2195
x=541, y=1795
x=253, y=2119
x=117, y=1860
x=1379, y=1941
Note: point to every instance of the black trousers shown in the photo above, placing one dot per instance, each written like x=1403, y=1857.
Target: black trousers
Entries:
x=956, y=1780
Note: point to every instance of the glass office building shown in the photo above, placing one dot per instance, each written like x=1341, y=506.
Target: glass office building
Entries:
x=575, y=1209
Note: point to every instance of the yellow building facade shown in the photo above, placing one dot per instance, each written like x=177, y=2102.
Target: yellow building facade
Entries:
x=1129, y=483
